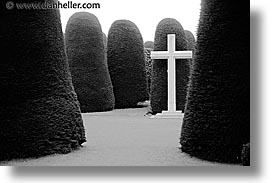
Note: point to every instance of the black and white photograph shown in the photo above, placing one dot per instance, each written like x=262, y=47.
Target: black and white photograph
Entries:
x=84, y=87
x=129, y=84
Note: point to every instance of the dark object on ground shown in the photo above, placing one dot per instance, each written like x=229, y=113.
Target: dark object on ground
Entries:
x=216, y=121
x=39, y=113
x=159, y=77
x=143, y=104
x=88, y=64
x=246, y=155
x=126, y=64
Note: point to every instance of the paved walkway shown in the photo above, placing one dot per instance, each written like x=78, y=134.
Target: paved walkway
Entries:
x=123, y=138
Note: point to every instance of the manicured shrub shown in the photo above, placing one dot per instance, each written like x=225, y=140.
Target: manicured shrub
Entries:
x=159, y=78
x=190, y=40
x=149, y=44
x=39, y=113
x=88, y=65
x=216, y=120
x=126, y=64
x=148, y=66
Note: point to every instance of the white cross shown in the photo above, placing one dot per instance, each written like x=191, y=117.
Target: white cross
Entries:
x=171, y=55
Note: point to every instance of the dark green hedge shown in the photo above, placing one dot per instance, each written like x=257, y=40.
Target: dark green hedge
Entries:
x=148, y=66
x=216, y=121
x=159, y=77
x=39, y=113
x=126, y=64
x=88, y=65
x=149, y=44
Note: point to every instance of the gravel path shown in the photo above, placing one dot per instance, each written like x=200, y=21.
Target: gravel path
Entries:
x=123, y=138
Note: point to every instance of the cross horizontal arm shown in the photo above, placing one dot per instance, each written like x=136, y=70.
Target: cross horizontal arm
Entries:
x=160, y=55
x=175, y=55
x=182, y=54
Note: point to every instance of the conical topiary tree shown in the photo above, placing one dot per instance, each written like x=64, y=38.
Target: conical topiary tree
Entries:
x=39, y=113
x=159, y=77
x=126, y=64
x=149, y=44
x=88, y=65
x=216, y=120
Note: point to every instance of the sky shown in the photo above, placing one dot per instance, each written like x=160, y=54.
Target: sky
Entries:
x=146, y=14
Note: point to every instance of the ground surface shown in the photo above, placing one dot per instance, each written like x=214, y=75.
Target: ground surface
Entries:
x=123, y=137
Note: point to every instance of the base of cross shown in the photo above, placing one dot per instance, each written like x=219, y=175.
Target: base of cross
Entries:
x=169, y=114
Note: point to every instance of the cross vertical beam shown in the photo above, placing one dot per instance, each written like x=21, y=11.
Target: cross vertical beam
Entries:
x=171, y=54
x=171, y=74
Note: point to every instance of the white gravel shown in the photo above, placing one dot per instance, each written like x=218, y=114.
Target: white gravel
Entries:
x=124, y=138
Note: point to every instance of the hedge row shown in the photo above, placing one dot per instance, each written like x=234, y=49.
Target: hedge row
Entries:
x=148, y=66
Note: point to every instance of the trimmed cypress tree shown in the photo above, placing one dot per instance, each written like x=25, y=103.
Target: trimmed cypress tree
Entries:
x=148, y=66
x=39, y=113
x=149, y=44
x=126, y=64
x=216, y=120
x=88, y=65
x=159, y=78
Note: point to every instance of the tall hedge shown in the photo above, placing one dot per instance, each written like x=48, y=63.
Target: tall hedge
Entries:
x=39, y=113
x=159, y=92
x=126, y=64
x=216, y=120
x=148, y=66
x=88, y=65
x=149, y=44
